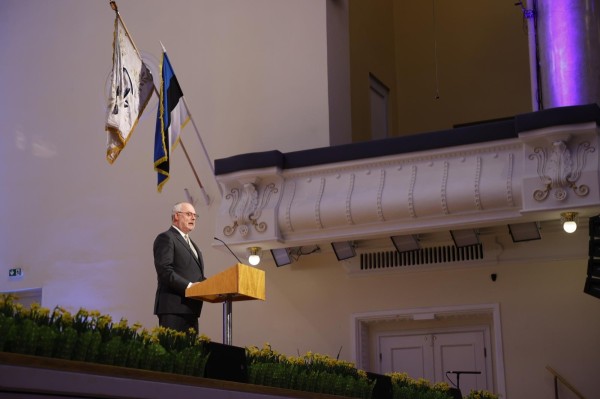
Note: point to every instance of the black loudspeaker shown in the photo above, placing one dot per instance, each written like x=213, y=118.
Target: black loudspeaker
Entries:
x=383, y=386
x=592, y=282
x=226, y=362
x=594, y=248
x=455, y=393
x=594, y=226
x=592, y=287
x=593, y=269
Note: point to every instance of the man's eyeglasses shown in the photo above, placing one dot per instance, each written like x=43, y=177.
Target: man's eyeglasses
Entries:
x=190, y=214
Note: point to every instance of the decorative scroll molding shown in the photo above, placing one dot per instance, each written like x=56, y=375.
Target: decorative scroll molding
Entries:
x=380, y=195
x=318, y=204
x=556, y=170
x=509, y=194
x=411, y=191
x=349, y=199
x=288, y=211
x=477, y=185
x=246, y=208
x=443, y=192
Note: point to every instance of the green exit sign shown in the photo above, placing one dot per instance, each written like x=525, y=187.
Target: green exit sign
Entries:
x=15, y=273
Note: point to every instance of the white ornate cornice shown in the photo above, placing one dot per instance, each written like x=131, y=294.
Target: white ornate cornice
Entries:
x=529, y=178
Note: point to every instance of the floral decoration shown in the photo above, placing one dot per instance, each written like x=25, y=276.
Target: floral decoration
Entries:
x=89, y=336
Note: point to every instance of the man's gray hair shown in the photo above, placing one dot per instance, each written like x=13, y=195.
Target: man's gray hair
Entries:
x=176, y=208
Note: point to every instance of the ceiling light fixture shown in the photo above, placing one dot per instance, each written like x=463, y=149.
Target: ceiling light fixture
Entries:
x=254, y=257
x=569, y=221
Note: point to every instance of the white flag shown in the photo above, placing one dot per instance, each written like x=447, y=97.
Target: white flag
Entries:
x=131, y=88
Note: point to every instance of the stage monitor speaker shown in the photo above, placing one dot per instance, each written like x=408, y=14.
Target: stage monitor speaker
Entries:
x=226, y=362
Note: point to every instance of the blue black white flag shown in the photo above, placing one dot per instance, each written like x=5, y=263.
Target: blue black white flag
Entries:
x=131, y=88
x=172, y=116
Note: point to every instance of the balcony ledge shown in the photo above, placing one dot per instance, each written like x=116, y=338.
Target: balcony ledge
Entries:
x=530, y=167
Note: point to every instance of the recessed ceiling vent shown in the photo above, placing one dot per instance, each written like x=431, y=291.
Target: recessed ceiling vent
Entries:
x=423, y=256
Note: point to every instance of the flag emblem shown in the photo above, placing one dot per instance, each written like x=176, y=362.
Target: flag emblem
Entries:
x=131, y=88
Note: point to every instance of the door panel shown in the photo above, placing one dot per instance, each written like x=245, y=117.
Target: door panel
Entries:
x=461, y=352
x=409, y=353
x=431, y=356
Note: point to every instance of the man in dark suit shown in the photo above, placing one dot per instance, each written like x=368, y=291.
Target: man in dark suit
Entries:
x=178, y=263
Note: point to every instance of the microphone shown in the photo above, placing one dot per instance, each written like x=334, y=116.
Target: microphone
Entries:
x=227, y=246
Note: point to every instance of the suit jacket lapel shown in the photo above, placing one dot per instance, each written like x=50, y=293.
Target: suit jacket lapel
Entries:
x=199, y=258
x=197, y=251
x=180, y=238
x=185, y=244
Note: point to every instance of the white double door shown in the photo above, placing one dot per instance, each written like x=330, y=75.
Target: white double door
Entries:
x=431, y=355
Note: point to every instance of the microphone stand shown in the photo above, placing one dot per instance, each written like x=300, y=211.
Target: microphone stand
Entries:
x=458, y=373
x=228, y=307
x=227, y=246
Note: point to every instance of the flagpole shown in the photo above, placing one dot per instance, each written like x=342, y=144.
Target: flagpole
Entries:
x=206, y=198
x=202, y=144
x=115, y=8
x=113, y=5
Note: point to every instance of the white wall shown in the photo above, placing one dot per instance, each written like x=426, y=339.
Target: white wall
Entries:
x=255, y=77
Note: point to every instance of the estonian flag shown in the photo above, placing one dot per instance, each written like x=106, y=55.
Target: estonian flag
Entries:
x=131, y=88
x=172, y=116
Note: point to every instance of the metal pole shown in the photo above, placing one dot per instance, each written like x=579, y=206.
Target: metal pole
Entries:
x=204, y=194
x=227, y=322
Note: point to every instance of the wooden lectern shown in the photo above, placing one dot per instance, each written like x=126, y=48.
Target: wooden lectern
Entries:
x=238, y=283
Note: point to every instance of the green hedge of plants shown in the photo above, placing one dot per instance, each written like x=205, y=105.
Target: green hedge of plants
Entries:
x=89, y=336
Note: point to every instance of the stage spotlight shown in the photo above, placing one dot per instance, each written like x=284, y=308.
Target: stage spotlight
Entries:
x=465, y=238
x=281, y=256
x=343, y=250
x=406, y=243
x=524, y=231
